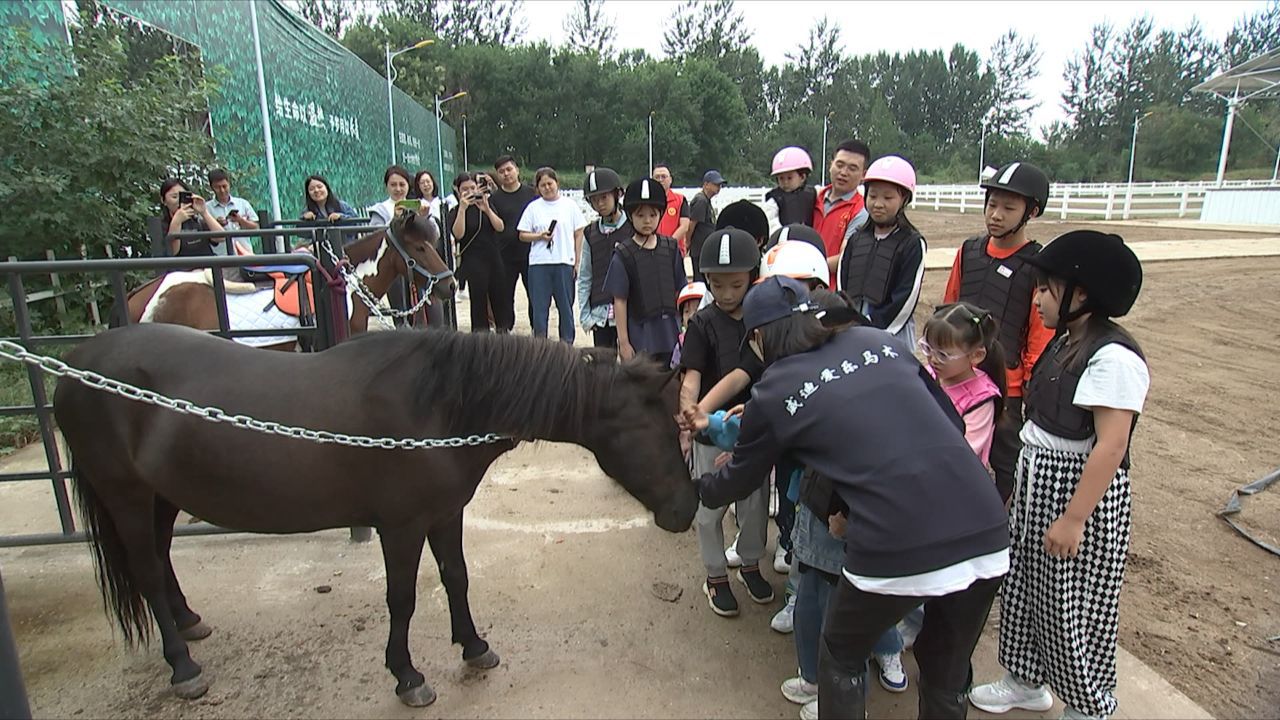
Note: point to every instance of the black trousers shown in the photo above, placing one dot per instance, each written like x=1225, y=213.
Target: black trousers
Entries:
x=504, y=308
x=604, y=337
x=1005, y=446
x=486, y=275
x=856, y=619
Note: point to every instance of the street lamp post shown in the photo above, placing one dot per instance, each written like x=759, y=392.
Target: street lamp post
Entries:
x=439, y=141
x=982, y=147
x=826, y=119
x=465, y=160
x=391, y=113
x=651, y=143
x=1133, y=146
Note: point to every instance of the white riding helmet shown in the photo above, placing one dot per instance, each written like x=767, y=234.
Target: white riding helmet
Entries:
x=795, y=259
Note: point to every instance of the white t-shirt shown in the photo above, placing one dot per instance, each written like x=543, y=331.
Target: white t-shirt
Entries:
x=1115, y=377
x=537, y=218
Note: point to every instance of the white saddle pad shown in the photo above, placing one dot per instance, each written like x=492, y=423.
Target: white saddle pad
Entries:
x=244, y=311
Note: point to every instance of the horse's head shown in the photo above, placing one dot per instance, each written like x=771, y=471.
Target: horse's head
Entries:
x=637, y=442
x=414, y=239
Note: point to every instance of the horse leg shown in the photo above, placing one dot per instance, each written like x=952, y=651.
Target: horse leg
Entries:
x=134, y=518
x=402, y=552
x=189, y=623
x=446, y=546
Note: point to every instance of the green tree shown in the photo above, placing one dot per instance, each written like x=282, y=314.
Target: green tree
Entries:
x=85, y=152
x=331, y=16
x=708, y=30
x=1014, y=64
x=590, y=29
x=1252, y=36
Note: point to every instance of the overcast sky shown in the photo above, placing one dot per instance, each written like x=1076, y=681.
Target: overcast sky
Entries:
x=1062, y=28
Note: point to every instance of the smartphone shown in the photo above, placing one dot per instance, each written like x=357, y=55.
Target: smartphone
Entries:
x=552, y=227
x=184, y=198
x=410, y=205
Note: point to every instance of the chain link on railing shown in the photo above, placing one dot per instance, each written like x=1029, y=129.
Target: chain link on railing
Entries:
x=53, y=366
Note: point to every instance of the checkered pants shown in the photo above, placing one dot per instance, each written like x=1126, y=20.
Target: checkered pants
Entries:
x=1059, y=618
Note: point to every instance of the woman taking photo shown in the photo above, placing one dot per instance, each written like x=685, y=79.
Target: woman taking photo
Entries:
x=183, y=211
x=474, y=226
x=319, y=202
x=925, y=524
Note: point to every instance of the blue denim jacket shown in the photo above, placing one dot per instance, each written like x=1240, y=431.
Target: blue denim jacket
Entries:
x=812, y=544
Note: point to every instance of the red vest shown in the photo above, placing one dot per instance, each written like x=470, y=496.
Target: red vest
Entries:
x=833, y=225
x=671, y=218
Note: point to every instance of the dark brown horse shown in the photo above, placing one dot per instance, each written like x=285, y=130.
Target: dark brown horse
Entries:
x=136, y=464
x=376, y=260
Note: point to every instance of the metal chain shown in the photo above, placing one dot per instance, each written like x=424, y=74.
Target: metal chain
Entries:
x=366, y=296
x=53, y=366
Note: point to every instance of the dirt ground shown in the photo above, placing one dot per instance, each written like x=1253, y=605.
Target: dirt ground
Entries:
x=564, y=564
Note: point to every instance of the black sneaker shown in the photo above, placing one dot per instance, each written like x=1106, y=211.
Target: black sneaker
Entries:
x=720, y=597
x=757, y=587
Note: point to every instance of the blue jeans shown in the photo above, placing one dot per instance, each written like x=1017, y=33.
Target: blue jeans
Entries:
x=548, y=282
x=811, y=607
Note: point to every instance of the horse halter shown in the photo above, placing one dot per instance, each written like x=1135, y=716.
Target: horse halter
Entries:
x=414, y=267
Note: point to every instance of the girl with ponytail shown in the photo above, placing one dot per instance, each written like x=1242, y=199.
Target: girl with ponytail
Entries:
x=960, y=346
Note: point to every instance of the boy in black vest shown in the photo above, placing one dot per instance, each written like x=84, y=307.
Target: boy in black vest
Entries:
x=603, y=189
x=992, y=272
x=645, y=274
x=713, y=347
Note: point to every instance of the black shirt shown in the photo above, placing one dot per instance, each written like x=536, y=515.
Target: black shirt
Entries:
x=713, y=346
x=702, y=214
x=478, y=242
x=192, y=247
x=510, y=206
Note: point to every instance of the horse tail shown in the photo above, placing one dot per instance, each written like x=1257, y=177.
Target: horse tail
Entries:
x=120, y=595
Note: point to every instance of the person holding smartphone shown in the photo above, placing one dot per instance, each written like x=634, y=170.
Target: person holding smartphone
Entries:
x=233, y=213
x=553, y=226
x=474, y=226
x=182, y=211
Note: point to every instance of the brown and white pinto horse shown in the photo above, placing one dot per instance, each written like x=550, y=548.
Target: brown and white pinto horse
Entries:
x=406, y=249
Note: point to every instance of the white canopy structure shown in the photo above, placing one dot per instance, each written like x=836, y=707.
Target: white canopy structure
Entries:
x=1258, y=78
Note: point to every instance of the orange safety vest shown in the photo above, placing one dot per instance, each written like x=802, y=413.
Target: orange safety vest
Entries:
x=833, y=225
x=671, y=218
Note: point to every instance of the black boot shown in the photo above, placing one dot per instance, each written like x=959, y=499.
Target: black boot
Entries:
x=939, y=704
x=842, y=695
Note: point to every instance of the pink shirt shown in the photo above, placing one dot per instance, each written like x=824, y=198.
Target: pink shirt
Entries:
x=973, y=400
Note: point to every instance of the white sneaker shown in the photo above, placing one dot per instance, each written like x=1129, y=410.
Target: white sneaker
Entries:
x=809, y=711
x=892, y=677
x=798, y=691
x=780, y=564
x=784, y=621
x=731, y=556
x=1009, y=693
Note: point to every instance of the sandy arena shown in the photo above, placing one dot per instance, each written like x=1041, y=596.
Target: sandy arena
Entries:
x=564, y=566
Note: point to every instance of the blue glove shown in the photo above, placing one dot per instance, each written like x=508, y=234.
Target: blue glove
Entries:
x=722, y=431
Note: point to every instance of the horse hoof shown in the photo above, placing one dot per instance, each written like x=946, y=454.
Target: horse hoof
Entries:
x=420, y=696
x=487, y=661
x=193, y=688
x=199, y=631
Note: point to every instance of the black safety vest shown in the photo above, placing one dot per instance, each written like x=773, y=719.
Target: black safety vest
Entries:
x=868, y=263
x=649, y=272
x=1004, y=287
x=1050, y=393
x=602, y=244
x=795, y=206
x=725, y=335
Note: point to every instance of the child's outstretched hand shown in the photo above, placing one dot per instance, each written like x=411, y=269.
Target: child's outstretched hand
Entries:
x=694, y=419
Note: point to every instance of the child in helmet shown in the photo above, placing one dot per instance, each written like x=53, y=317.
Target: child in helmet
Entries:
x=645, y=274
x=713, y=348
x=603, y=189
x=792, y=200
x=882, y=266
x=689, y=302
x=745, y=215
x=1070, y=518
x=991, y=271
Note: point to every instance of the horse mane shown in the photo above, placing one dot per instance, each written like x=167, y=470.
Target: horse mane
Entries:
x=520, y=386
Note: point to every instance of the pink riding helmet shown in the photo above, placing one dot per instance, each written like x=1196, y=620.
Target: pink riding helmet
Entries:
x=892, y=169
x=791, y=158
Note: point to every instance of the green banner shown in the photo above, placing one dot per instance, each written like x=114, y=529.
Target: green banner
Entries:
x=327, y=109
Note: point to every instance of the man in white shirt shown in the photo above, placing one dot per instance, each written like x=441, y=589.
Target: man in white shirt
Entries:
x=233, y=212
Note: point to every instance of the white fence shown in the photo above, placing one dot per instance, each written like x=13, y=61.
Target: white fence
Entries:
x=1098, y=201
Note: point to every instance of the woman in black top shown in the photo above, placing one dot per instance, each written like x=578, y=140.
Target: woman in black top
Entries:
x=474, y=226
x=180, y=211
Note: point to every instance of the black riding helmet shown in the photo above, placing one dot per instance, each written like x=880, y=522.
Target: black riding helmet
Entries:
x=797, y=231
x=1022, y=179
x=642, y=192
x=1101, y=264
x=745, y=215
x=729, y=250
x=601, y=180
